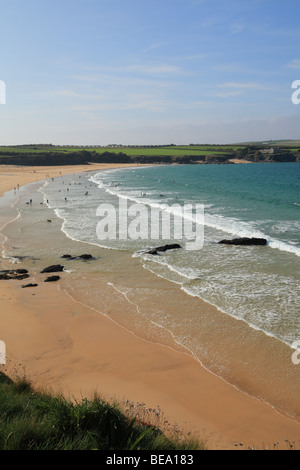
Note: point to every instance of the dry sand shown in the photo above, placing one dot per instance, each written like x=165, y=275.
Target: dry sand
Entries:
x=64, y=345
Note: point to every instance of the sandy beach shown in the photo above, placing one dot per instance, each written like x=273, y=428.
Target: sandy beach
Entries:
x=66, y=346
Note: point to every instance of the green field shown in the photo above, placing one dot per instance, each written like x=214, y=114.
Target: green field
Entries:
x=172, y=150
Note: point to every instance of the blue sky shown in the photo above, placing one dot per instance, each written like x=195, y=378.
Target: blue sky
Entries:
x=96, y=72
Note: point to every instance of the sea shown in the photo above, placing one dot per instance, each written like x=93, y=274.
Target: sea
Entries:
x=235, y=309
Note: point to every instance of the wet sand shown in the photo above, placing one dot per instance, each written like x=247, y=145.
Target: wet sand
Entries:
x=66, y=346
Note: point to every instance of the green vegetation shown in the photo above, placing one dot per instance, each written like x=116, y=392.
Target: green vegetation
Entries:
x=37, y=155
x=31, y=420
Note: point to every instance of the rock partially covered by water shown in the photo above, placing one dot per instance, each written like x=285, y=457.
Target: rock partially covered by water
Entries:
x=155, y=251
x=52, y=279
x=56, y=268
x=85, y=257
x=245, y=241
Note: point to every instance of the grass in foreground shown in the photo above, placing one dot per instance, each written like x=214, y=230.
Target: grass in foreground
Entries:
x=31, y=420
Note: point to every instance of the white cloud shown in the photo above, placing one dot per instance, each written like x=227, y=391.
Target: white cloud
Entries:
x=71, y=94
x=154, y=69
x=237, y=28
x=228, y=94
x=156, y=45
x=146, y=103
x=240, y=85
x=294, y=64
x=235, y=89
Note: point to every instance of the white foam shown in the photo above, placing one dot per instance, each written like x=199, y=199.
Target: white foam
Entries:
x=283, y=246
x=186, y=273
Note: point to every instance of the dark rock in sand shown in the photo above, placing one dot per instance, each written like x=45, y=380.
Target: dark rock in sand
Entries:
x=20, y=277
x=83, y=257
x=29, y=285
x=245, y=241
x=5, y=277
x=18, y=274
x=163, y=248
x=14, y=271
x=52, y=279
x=56, y=268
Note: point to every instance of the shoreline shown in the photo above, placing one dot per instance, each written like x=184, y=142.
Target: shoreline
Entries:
x=74, y=360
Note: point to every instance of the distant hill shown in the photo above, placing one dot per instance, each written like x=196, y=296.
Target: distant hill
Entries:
x=279, y=143
x=51, y=155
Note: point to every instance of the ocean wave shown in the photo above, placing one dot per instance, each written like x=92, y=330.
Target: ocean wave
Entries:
x=191, y=274
x=229, y=225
